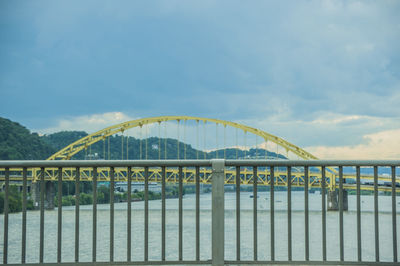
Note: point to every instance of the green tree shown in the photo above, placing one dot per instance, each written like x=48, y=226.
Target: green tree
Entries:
x=17, y=143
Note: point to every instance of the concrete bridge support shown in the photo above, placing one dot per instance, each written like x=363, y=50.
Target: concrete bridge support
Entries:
x=49, y=194
x=35, y=194
x=333, y=200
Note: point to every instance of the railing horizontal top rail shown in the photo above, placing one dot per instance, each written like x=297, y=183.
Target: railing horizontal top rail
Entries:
x=183, y=163
x=105, y=163
x=312, y=162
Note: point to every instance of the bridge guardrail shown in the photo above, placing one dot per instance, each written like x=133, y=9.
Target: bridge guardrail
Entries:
x=218, y=167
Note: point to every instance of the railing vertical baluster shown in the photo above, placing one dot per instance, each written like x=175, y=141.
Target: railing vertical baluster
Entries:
x=197, y=213
x=77, y=198
x=218, y=214
x=358, y=182
x=341, y=245
x=6, y=194
x=112, y=185
x=376, y=214
x=289, y=211
x=129, y=218
x=146, y=213
x=306, y=225
x=163, y=170
x=24, y=197
x=394, y=230
x=94, y=219
x=272, y=212
x=41, y=237
x=255, y=246
x=323, y=192
x=180, y=213
x=59, y=213
x=238, y=213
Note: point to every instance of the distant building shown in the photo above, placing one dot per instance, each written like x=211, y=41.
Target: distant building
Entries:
x=123, y=186
x=92, y=156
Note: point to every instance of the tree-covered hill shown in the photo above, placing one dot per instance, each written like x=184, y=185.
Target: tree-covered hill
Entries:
x=18, y=143
x=62, y=139
x=157, y=148
x=132, y=148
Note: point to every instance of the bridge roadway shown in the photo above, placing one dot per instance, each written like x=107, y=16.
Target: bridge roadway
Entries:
x=172, y=175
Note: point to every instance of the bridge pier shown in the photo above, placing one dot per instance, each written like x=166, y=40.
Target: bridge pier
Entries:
x=333, y=200
x=49, y=194
x=35, y=194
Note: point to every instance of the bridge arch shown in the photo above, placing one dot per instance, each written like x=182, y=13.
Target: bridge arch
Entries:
x=83, y=143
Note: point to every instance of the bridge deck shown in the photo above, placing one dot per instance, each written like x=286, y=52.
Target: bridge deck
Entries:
x=189, y=174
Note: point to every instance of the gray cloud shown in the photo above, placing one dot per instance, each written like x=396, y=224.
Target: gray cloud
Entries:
x=278, y=64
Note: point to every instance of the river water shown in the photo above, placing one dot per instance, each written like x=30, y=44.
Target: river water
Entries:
x=350, y=237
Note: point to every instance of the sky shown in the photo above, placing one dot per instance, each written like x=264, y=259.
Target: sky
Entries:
x=324, y=75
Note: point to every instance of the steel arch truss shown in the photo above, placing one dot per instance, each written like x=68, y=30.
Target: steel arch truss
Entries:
x=83, y=143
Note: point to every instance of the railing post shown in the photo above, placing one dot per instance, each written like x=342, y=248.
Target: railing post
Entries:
x=218, y=211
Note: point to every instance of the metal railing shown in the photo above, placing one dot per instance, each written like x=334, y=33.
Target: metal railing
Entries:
x=218, y=217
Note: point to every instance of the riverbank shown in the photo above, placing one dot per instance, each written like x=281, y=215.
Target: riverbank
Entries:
x=103, y=196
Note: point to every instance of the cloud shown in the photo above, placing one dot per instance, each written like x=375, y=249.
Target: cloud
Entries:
x=384, y=145
x=326, y=129
x=95, y=122
x=337, y=56
x=316, y=73
x=88, y=123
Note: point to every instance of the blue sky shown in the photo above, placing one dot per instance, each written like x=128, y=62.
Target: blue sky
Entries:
x=324, y=75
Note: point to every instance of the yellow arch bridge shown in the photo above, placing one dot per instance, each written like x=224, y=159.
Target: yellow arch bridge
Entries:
x=297, y=178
